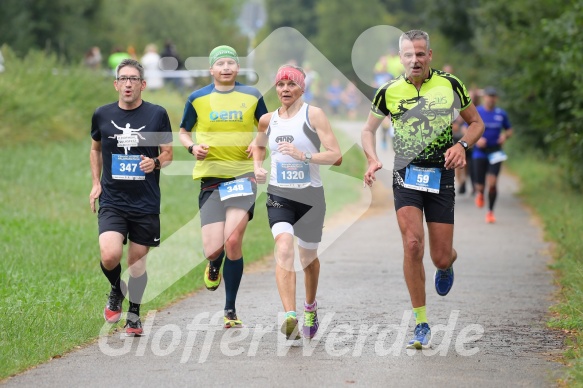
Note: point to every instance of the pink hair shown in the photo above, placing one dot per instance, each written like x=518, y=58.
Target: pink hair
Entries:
x=292, y=74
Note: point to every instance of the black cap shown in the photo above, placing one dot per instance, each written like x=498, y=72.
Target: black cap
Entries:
x=490, y=91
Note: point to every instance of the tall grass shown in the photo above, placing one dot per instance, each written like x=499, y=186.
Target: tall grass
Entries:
x=52, y=291
x=545, y=189
x=42, y=101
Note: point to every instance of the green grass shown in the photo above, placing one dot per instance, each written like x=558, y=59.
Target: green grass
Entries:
x=52, y=291
x=560, y=208
x=41, y=101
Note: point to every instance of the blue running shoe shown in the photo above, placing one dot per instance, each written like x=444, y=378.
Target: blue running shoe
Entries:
x=443, y=281
x=422, y=338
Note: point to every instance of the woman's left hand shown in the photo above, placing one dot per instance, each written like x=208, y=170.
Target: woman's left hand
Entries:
x=286, y=148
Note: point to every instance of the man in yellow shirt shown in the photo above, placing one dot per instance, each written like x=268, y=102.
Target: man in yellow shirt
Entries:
x=223, y=116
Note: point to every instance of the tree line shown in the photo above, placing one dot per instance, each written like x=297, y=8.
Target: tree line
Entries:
x=70, y=27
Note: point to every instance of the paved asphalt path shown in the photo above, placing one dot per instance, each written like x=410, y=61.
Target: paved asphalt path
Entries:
x=488, y=332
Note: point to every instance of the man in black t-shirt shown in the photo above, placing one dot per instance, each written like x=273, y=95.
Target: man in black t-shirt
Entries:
x=131, y=142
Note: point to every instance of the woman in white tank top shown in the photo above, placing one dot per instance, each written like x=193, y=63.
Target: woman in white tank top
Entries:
x=296, y=206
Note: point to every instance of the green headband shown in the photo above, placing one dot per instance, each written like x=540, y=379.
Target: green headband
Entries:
x=222, y=52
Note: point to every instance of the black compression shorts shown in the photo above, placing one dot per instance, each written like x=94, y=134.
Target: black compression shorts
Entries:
x=303, y=208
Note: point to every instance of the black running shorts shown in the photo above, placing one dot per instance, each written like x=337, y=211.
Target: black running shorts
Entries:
x=143, y=229
x=437, y=207
x=482, y=167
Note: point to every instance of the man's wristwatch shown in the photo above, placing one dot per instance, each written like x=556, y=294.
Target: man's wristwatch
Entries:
x=308, y=157
x=464, y=144
x=190, y=147
x=156, y=163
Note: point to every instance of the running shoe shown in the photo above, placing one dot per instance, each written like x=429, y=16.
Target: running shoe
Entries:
x=290, y=328
x=462, y=189
x=479, y=200
x=133, y=325
x=112, y=310
x=490, y=219
x=310, y=323
x=422, y=337
x=443, y=280
x=212, y=277
x=231, y=321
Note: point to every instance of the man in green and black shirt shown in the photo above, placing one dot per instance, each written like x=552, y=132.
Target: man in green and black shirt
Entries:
x=422, y=104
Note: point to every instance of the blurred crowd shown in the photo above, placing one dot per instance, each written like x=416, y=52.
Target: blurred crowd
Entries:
x=153, y=61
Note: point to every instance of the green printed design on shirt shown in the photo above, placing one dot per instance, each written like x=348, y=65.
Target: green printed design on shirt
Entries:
x=422, y=119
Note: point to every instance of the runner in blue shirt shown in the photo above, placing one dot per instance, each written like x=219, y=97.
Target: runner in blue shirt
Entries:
x=488, y=155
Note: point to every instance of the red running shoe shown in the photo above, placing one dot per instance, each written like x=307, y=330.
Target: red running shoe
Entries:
x=490, y=219
x=133, y=325
x=480, y=200
x=112, y=310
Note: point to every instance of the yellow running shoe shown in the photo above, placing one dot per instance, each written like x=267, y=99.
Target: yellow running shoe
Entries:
x=231, y=321
x=290, y=328
x=212, y=277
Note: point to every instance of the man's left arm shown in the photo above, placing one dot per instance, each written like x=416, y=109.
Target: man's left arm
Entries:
x=166, y=150
x=260, y=111
x=505, y=135
x=166, y=155
x=475, y=125
x=455, y=156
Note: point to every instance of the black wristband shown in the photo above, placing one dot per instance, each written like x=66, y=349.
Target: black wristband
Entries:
x=190, y=147
x=463, y=144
